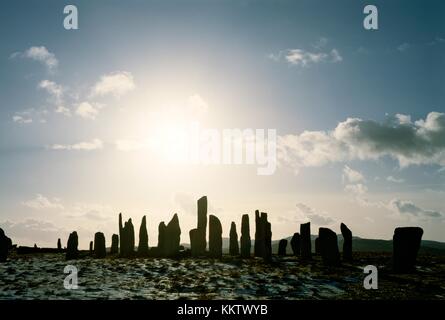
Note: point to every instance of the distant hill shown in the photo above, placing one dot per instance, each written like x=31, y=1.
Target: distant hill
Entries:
x=358, y=245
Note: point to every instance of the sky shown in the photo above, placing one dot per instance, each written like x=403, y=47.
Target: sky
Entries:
x=91, y=119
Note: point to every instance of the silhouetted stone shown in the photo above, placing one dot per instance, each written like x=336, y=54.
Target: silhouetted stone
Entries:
x=267, y=255
x=143, y=238
x=5, y=246
x=245, y=237
x=99, y=245
x=263, y=236
x=258, y=249
x=305, y=244
x=162, y=230
x=172, y=237
x=71, y=247
x=91, y=247
x=406, y=244
x=295, y=244
x=317, y=245
x=329, y=247
x=194, y=239
x=126, y=238
x=121, y=236
x=215, y=237
x=201, y=235
x=114, y=244
x=59, y=244
x=282, y=245
x=347, y=242
x=233, y=244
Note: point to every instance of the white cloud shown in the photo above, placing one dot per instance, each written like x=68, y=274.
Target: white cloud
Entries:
x=304, y=58
x=21, y=119
x=63, y=110
x=95, y=144
x=421, y=142
x=87, y=110
x=54, y=89
x=352, y=176
x=116, y=84
x=395, y=180
x=29, y=116
x=42, y=55
x=409, y=208
x=314, y=217
x=42, y=202
x=358, y=189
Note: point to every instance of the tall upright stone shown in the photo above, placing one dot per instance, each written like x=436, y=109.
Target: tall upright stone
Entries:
x=121, y=236
x=201, y=235
x=99, y=245
x=130, y=235
x=282, y=245
x=329, y=247
x=406, y=244
x=245, y=237
x=267, y=255
x=305, y=237
x=91, y=249
x=347, y=242
x=172, y=237
x=143, y=238
x=295, y=244
x=258, y=249
x=215, y=237
x=5, y=246
x=233, y=244
x=71, y=248
x=162, y=230
x=59, y=244
x=114, y=244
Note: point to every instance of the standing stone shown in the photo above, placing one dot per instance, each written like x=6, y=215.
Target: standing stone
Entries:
x=5, y=246
x=143, y=238
x=130, y=237
x=71, y=247
x=347, y=242
x=306, y=247
x=202, y=226
x=329, y=247
x=121, y=236
x=215, y=237
x=99, y=245
x=233, y=245
x=406, y=243
x=114, y=244
x=126, y=238
x=194, y=239
x=245, y=237
x=317, y=245
x=282, y=245
x=295, y=244
x=267, y=254
x=59, y=244
x=172, y=237
x=162, y=229
x=259, y=236
x=91, y=247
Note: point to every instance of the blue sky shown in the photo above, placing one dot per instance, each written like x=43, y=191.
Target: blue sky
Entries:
x=295, y=66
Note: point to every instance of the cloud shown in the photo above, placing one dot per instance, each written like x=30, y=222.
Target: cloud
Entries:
x=395, y=180
x=403, y=47
x=409, y=208
x=421, y=142
x=42, y=202
x=116, y=84
x=352, y=176
x=314, y=217
x=32, y=231
x=358, y=189
x=40, y=54
x=87, y=110
x=95, y=144
x=29, y=116
x=303, y=58
x=63, y=110
x=21, y=119
x=52, y=88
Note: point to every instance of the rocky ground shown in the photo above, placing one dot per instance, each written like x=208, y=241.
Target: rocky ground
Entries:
x=40, y=276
